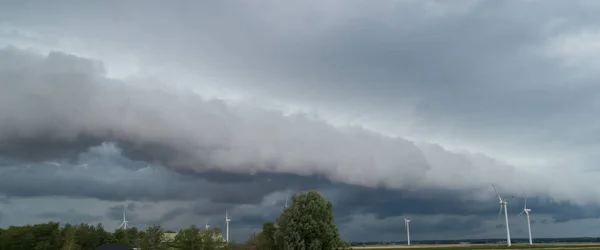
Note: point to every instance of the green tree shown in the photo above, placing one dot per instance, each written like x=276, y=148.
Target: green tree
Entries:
x=47, y=236
x=267, y=239
x=253, y=242
x=308, y=224
x=85, y=236
x=153, y=238
x=110, y=238
x=102, y=236
x=209, y=240
x=188, y=239
x=70, y=241
x=122, y=236
x=133, y=235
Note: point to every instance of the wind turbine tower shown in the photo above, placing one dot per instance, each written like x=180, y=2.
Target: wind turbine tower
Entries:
x=407, y=229
x=124, y=223
x=527, y=211
x=227, y=220
x=503, y=203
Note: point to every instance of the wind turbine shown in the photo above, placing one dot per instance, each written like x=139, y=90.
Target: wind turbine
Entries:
x=407, y=229
x=124, y=223
x=286, y=203
x=503, y=203
x=206, y=226
x=527, y=211
x=227, y=220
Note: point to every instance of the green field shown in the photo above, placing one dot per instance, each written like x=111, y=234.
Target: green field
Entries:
x=474, y=246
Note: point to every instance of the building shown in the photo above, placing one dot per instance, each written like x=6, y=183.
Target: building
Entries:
x=217, y=237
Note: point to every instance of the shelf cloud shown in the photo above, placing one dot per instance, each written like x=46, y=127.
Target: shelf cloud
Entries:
x=388, y=108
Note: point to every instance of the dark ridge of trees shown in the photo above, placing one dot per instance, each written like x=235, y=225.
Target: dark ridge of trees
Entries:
x=307, y=224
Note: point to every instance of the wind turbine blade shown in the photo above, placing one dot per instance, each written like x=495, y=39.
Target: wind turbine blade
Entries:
x=525, y=202
x=499, y=198
x=521, y=212
x=500, y=212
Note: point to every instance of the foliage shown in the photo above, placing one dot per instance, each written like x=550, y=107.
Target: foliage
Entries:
x=268, y=234
x=50, y=236
x=153, y=238
x=306, y=225
x=188, y=239
x=264, y=240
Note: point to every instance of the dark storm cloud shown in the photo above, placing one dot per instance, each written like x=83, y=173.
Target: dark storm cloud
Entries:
x=172, y=214
x=116, y=212
x=565, y=212
x=209, y=209
x=475, y=53
x=71, y=217
x=385, y=203
x=182, y=132
x=463, y=62
x=35, y=149
x=255, y=220
x=487, y=74
x=225, y=190
x=103, y=173
x=222, y=138
x=463, y=225
x=49, y=180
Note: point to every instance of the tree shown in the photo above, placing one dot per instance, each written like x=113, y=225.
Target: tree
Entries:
x=69, y=242
x=47, y=236
x=308, y=224
x=110, y=238
x=133, y=234
x=122, y=236
x=209, y=240
x=188, y=239
x=153, y=238
x=267, y=241
x=253, y=242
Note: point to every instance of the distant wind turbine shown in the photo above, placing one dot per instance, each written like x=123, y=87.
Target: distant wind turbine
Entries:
x=286, y=203
x=125, y=222
x=227, y=220
x=206, y=226
x=527, y=211
x=503, y=203
x=407, y=229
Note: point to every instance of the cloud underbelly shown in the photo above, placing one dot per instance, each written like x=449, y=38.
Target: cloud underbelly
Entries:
x=58, y=105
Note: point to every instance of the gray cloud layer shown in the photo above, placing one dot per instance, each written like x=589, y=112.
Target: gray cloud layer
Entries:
x=495, y=78
x=59, y=105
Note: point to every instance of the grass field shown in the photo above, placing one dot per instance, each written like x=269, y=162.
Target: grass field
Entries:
x=485, y=246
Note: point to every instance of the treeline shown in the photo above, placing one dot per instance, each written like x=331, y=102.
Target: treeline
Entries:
x=51, y=236
x=306, y=224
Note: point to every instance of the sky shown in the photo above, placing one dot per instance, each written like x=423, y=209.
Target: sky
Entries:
x=181, y=111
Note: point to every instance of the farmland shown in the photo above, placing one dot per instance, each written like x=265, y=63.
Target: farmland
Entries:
x=483, y=246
